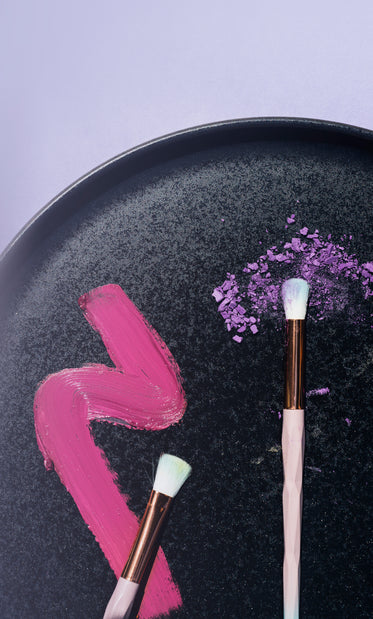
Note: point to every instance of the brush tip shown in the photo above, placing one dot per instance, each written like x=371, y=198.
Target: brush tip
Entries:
x=295, y=297
x=171, y=473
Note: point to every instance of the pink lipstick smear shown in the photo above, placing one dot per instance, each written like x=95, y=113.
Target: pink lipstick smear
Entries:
x=244, y=300
x=143, y=391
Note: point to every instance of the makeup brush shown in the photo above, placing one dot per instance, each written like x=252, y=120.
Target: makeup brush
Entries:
x=171, y=473
x=295, y=297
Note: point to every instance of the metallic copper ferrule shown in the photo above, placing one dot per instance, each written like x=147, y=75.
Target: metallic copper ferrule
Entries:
x=294, y=364
x=147, y=536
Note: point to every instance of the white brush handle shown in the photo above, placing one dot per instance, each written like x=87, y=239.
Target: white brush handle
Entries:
x=121, y=601
x=292, y=498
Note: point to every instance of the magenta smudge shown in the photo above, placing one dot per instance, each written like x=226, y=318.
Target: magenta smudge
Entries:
x=329, y=268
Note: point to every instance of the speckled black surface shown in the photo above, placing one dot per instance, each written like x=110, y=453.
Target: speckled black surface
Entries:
x=151, y=222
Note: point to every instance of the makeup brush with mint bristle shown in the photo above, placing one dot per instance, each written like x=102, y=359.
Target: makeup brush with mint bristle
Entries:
x=171, y=473
x=295, y=298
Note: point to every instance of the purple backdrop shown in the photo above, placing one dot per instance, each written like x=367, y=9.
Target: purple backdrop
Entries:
x=84, y=81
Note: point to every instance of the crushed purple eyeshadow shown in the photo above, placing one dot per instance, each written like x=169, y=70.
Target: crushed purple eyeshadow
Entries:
x=348, y=421
x=327, y=266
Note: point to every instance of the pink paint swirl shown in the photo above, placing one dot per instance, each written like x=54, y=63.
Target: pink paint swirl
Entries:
x=143, y=391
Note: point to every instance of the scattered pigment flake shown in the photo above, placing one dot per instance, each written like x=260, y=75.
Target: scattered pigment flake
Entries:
x=333, y=273
x=322, y=391
x=348, y=421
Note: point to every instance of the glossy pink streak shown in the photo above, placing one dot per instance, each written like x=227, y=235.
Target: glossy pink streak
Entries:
x=143, y=391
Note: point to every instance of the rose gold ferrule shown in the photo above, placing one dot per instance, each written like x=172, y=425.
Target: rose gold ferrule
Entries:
x=294, y=365
x=147, y=536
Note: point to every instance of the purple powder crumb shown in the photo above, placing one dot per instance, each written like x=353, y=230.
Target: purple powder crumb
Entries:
x=281, y=257
x=218, y=294
x=326, y=265
x=237, y=338
x=314, y=468
x=291, y=219
x=348, y=421
x=321, y=391
x=251, y=267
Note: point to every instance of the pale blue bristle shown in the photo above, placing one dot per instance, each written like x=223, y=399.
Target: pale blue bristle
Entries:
x=295, y=297
x=171, y=473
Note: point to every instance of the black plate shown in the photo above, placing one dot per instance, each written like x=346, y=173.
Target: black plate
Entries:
x=151, y=221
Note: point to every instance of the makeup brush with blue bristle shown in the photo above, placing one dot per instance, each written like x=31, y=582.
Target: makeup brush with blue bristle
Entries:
x=171, y=473
x=295, y=298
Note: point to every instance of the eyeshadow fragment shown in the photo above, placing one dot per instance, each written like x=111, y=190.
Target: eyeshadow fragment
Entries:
x=321, y=391
x=237, y=338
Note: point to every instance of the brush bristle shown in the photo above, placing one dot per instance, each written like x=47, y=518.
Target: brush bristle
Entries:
x=171, y=473
x=295, y=297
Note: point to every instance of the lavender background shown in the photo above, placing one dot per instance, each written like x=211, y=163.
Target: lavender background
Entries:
x=83, y=81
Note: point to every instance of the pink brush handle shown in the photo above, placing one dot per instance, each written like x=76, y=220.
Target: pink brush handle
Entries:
x=121, y=601
x=292, y=498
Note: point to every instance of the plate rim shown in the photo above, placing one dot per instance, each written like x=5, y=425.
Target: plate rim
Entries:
x=261, y=129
